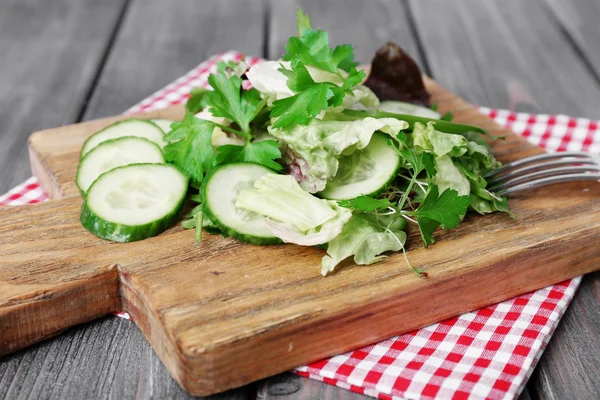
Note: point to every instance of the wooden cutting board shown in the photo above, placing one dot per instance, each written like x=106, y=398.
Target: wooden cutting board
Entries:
x=221, y=314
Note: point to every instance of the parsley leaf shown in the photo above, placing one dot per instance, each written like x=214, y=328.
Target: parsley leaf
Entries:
x=190, y=147
x=263, y=153
x=311, y=48
x=302, y=107
x=232, y=68
x=229, y=101
x=303, y=21
x=446, y=210
x=408, y=153
x=197, y=101
x=367, y=204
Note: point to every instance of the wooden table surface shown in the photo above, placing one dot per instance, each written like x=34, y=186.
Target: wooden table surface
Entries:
x=64, y=61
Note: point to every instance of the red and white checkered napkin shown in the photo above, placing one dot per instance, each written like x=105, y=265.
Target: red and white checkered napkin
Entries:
x=489, y=353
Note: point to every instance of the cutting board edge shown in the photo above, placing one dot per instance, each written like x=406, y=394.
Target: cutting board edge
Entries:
x=97, y=294
x=201, y=371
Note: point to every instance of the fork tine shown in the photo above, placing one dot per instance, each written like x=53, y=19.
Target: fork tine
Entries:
x=506, y=181
x=548, y=181
x=576, y=157
x=531, y=168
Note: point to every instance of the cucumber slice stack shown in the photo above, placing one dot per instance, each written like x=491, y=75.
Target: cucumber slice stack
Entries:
x=134, y=202
x=219, y=192
x=130, y=193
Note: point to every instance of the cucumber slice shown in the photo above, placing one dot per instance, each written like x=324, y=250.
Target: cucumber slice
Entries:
x=400, y=107
x=364, y=172
x=219, y=192
x=163, y=124
x=116, y=153
x=130, y=127
x=134, y=202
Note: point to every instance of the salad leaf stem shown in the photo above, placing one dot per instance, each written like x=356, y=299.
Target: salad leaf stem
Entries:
x=245, y=135
x=440, y=125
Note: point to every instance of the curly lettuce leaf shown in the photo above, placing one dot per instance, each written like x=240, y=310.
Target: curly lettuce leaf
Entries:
x=427, y=139
x=320, y=144
x=293, y=215
x=449, y=176
x=364, y=237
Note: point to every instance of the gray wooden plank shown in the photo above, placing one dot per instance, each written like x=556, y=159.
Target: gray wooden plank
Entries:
x=580, y=21
x=365, y=24
x=290, y=386
x=105, y=359
x=160, y=41
x=502, y=53
x=50, y=50
x=570, y=366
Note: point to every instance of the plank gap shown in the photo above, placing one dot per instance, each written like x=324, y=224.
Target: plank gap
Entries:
x=577, y=49
x=103, y=60
x=418, y=42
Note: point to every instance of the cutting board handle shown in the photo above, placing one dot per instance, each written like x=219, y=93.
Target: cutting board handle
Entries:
x=53, y=274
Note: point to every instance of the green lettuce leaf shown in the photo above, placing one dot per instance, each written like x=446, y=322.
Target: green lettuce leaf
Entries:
x=427, y=139
x=449, y=176
x=293, y=215
x=365, y=238
x=319, y=145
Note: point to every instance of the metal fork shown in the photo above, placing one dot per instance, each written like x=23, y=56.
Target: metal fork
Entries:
x=543, y=169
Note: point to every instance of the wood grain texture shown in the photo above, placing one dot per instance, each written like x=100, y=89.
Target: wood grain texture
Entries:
x=161, y=41
x=579, y=19
x=507, y=54
x=202, y=306
x=104, y=359
x=50, y=53
x=288, y=385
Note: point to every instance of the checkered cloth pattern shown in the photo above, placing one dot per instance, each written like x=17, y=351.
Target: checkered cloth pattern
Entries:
x=486, y=354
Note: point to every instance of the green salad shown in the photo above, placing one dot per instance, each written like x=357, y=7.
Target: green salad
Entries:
x=313, y=154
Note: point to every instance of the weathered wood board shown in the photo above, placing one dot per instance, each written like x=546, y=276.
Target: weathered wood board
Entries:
x=221, y=313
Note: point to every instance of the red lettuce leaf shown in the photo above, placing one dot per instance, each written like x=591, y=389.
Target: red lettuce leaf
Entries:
x=396, y=76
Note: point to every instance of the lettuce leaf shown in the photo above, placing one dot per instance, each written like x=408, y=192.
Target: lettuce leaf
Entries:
x=427, y=139
x=317, y=146
x=449, y=176
x=293, y=215
x=365, y=238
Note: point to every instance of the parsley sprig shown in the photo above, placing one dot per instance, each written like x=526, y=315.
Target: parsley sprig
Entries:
x=190, y=141
x=310, y=49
